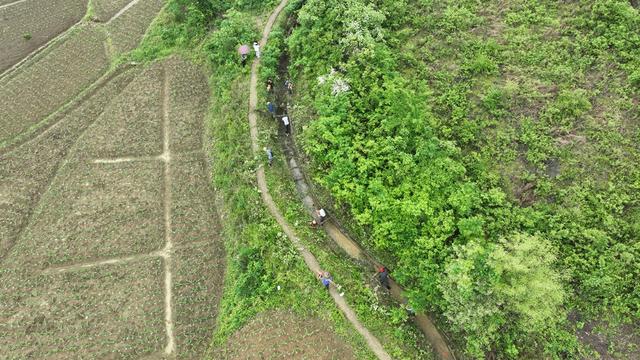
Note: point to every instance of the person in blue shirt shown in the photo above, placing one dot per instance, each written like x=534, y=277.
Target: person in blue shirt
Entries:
x=269, y=156
x=325, y=278
x=271, y=108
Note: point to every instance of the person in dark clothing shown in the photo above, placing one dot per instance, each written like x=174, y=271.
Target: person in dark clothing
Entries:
x=383, y=275
x=243, y=59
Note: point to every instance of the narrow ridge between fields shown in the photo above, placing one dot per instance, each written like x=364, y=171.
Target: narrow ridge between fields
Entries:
x=93, y=264
x=373, y=343
x=167, y=251
x=122, y=11
x=11, y=4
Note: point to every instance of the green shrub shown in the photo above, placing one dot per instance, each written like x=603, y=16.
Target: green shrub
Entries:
x=236, y=29
x=507, y=294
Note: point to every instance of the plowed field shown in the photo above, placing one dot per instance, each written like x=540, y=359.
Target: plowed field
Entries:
x=113, y=246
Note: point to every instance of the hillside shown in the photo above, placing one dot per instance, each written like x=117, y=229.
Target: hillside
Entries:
x=377, y=179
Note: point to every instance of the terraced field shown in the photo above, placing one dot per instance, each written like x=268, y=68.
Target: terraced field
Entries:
x=110, y=237
x=106, y=9
x=27, y=25
x=127, y=29
x=41, y=88
x=46, y=80
x=28, y=170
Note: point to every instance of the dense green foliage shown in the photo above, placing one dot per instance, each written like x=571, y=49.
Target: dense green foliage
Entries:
x=466, y=123
x=496, y=290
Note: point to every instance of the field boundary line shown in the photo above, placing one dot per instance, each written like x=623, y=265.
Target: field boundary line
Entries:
x=11, y=4
x=122, y=11
x=112, y=261
x=129, y=159
x=168, y=248
x=312, y=263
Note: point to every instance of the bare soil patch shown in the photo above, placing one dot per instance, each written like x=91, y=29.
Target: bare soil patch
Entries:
x=128, y=29
x=30, y=24
x=110, y=312
x=44, y=86
x=283, y=335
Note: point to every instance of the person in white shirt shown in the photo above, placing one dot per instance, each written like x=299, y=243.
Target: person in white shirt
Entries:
x=322, y=215
x=256, y=48
x=320, y=218
x=287, y=124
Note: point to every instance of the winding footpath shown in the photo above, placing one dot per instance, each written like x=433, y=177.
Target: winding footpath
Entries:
x=309, y=259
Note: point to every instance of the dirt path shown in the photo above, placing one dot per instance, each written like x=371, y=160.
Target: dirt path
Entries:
x=310, y=260
x=168, y=247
